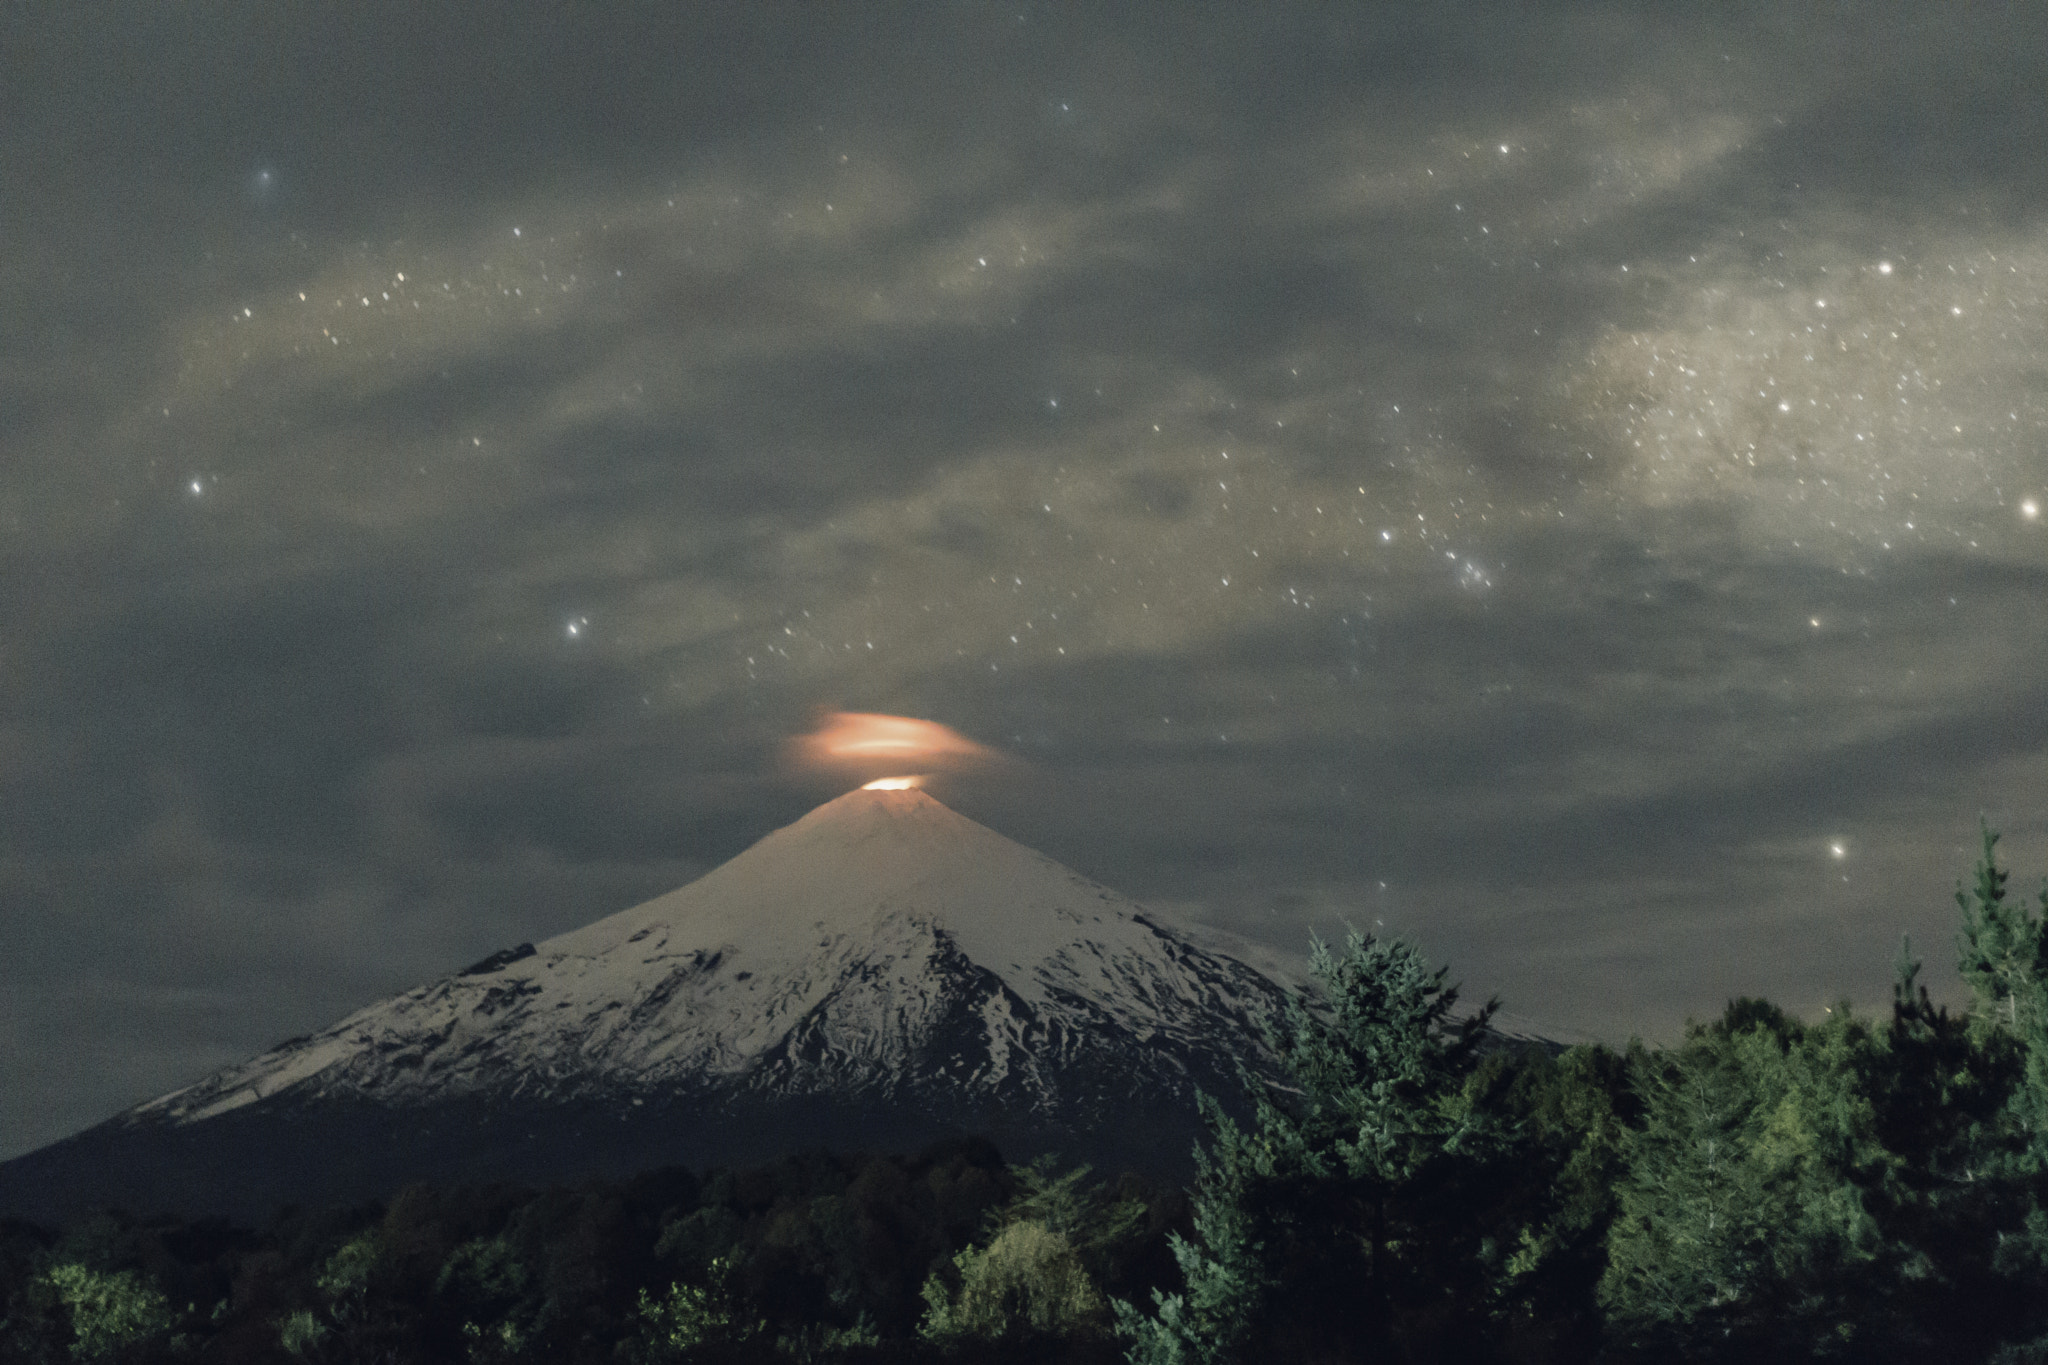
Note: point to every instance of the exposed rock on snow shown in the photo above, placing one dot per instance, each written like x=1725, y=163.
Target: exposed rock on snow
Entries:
x=882, y=944
x=882, y=971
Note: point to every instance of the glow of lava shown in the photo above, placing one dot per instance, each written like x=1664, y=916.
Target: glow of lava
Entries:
x=892, y=784
x=860, y=737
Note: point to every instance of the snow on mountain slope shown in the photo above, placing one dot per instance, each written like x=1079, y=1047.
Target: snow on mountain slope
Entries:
x=882, y=946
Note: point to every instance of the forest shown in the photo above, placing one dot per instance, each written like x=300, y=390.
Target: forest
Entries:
x=1858, y=1188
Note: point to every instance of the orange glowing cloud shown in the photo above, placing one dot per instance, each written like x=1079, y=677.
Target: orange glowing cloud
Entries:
x=893, y=784
x=856, y=743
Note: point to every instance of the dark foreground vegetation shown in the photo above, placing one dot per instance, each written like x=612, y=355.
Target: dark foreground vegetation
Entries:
x=1856, y=1189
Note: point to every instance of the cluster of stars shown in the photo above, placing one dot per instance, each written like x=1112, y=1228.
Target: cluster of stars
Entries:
x=1855, y=421
x=1838, y=404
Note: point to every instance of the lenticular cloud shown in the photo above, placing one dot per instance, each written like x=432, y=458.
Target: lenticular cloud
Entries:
x=868, y=745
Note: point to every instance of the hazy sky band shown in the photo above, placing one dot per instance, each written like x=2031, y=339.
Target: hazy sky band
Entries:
x=1561, y=481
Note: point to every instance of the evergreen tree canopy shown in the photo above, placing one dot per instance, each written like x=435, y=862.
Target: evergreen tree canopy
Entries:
x=2002, y=954
x=2000, y=949
x=1838, y=1190
x=1344, y=1219
x=1744, y=1216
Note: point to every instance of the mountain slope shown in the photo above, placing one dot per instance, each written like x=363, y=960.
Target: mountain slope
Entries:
x=883, y=972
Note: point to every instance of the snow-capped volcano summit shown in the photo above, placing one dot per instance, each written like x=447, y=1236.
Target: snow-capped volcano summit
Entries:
x=883, y=967
x=880, y=944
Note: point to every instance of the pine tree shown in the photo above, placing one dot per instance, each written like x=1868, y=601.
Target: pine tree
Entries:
x=1841, y=1189
x=1950, y=1200
x=1215, y=1320
x=1566, y=1117
x=1745, y=1230
x=1340, y=1220
x=2002, y=953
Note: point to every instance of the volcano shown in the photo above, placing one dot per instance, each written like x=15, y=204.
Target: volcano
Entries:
x=882, y=974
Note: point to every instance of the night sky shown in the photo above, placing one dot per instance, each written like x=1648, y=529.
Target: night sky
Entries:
x=1565, y=483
